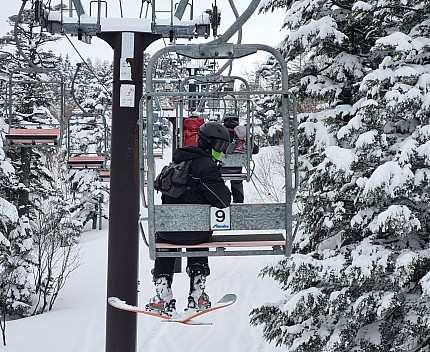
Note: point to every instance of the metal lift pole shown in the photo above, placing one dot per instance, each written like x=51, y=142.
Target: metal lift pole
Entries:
x=123, y=243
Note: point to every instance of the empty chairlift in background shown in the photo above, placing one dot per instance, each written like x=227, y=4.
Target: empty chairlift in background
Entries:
x=35, y=101
x=87, y=142
x=165, y=110
x=105, y=175
x=87, y=137
x=161, y=135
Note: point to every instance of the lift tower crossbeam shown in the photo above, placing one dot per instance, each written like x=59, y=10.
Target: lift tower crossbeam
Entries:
x=85, y=27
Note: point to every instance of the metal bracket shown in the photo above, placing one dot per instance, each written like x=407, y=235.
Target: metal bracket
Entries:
x=218, y=51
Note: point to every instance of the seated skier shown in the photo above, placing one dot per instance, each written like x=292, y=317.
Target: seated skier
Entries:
x=238, y=145
x=231, y=121
x=205, y=187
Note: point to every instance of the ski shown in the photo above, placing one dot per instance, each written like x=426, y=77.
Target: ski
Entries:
x=184, y=318
x=225, y=301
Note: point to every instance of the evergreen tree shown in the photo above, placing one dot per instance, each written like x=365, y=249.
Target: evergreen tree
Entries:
x=268, y=107
x=359, y=278
x=33, y=103
x=16, y=258
x=30, y=176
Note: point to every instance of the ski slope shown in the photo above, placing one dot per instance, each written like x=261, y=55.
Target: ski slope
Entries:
x=77, y=322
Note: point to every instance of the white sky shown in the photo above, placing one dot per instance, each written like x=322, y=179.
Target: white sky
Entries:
x=260, y=29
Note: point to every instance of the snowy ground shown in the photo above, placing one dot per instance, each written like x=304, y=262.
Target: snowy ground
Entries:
x=77, y=323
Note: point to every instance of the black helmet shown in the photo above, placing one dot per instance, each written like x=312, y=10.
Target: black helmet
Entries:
x=213, y=135
x=230, y=119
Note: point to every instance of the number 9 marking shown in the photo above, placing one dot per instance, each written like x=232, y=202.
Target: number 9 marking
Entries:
x=220, y=219
x=220, y=215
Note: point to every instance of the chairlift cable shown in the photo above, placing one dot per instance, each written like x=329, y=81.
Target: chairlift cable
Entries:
x=120, y=8
x=15, y=33
x=142, y=232
x=31, y=64
x=88, y=66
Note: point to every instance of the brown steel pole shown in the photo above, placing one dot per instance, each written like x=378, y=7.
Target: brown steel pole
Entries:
x=123, y=243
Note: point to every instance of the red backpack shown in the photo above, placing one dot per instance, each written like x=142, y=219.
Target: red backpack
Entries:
x=191, y=126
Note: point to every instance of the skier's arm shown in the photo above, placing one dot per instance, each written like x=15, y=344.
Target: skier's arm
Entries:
x=214, y=190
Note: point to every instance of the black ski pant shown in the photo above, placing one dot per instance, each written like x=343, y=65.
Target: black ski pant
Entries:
x=237, y=191
x=235, y=185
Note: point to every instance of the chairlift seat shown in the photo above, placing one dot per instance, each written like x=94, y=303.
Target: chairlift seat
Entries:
x=34, y=137
x=86, y=162
x=167, y=107
x=158, y=154
x=105, y=175
x=224, y=245
x=236, y=176
x=256, y=229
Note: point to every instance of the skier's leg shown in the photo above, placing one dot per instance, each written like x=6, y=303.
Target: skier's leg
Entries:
x=198, y=269
x=163, y=301
x=237, y=191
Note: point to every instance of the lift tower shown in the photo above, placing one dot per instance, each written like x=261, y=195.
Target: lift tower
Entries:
x=129, y=38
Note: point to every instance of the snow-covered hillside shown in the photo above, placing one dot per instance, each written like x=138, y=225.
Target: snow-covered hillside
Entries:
x=77, y=322
x=78, y=319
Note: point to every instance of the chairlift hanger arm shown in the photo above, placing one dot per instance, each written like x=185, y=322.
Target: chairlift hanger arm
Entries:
x=180, y=8
x=72, y=91
x=17, y=40
x=78, y=7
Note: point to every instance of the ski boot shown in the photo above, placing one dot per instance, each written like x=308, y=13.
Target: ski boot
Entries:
x=198, y=299
x=162, y=303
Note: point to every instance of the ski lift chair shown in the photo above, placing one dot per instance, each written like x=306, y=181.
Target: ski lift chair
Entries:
x=86, y=161
x=158, y=134
x=105, y=175
x=44, y=132
x=26, y=137
x=76, y=159
x=223, y=88
x=259, y=229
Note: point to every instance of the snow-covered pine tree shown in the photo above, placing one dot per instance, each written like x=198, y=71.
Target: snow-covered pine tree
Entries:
x=32, y=103
x=268, y=107
x=359, y=279
x=15, y=249
x=30, y=175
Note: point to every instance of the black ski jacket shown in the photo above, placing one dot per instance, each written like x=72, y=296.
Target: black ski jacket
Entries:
x=206, y=187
